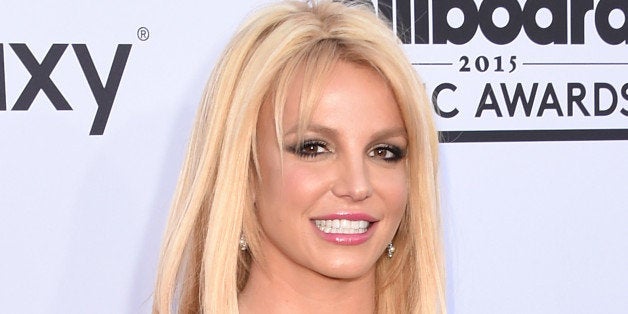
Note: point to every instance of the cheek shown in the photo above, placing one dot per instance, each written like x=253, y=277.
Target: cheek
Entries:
x=394, y=191
x=295, y=189
x=303, y=184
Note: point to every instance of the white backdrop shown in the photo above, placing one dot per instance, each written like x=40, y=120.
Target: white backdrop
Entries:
x=530, y=226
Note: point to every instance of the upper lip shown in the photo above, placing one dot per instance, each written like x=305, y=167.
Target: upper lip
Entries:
x=347, y=216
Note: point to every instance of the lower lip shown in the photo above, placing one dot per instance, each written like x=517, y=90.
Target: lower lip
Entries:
x=346, y=239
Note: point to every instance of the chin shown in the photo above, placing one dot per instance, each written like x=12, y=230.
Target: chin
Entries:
x=347, y=269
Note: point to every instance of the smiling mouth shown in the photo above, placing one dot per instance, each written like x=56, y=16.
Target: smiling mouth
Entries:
x=342, y=226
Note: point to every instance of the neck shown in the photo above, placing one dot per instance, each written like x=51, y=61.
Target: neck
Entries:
x=274, y=290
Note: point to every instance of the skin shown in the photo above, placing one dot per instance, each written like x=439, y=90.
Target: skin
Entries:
x=351, y=160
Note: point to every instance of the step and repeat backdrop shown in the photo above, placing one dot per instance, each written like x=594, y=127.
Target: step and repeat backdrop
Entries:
x=530, y=97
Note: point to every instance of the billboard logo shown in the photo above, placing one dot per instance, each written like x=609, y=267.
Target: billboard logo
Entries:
x=564, y=22
x=40, y=80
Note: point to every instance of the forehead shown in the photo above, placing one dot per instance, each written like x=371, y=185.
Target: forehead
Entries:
x=349, y=91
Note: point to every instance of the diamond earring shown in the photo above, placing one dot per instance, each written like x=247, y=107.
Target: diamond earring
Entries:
x=243, y=245
x=390, y=250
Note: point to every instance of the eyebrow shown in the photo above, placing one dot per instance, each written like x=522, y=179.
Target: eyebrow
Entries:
x=313, y=128
x=385, y=133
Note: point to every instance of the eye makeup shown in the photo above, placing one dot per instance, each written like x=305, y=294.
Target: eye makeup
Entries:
x=313, y=148
x=387, y=152
x=309, y=149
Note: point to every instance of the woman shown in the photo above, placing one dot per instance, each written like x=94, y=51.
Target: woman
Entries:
x=310, y=180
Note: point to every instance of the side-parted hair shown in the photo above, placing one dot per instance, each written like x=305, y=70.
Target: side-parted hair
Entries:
x=201, y=267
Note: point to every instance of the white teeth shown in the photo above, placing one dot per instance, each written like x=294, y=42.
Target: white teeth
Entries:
x=342, y=226
x=345, y=224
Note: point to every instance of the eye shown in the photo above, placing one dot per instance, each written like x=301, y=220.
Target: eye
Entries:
x=310, y=149
x=388, y=153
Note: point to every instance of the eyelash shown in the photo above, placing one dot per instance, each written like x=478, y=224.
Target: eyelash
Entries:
x=397, y=152
x=304, y=150
x=313, y=148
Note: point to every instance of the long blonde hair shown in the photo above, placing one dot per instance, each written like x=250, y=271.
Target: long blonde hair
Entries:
x=201, y=267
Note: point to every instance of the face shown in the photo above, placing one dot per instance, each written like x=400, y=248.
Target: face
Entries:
x=338, y=198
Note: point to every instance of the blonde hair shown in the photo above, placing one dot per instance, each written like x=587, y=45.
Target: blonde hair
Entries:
x=201, y=268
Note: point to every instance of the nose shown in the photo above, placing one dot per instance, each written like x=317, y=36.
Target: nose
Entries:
x=352, y=180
